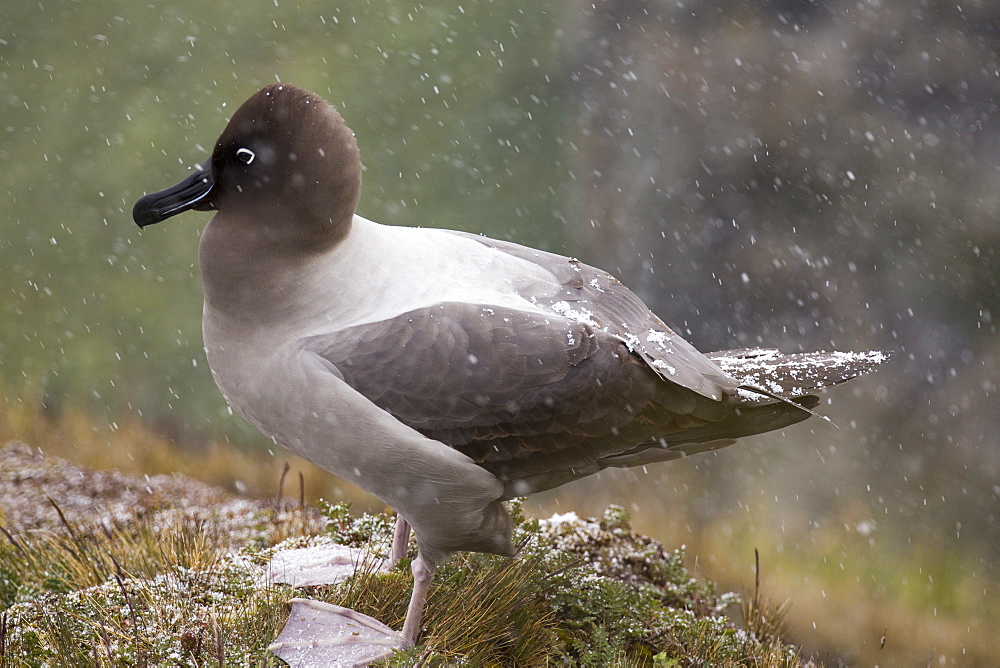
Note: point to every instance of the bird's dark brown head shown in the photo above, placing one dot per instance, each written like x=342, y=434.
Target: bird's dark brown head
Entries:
x=286, y=157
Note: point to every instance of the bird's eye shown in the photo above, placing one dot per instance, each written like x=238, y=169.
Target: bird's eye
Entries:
x=245, y=155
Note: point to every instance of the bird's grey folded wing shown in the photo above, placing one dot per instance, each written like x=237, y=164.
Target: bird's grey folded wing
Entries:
x=593, y=295
x=452, y=503
x=519, y=392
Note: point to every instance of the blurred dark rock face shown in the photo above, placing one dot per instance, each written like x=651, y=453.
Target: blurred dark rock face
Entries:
x=813, y=175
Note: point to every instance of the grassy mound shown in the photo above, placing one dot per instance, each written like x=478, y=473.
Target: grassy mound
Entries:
x=170, y=572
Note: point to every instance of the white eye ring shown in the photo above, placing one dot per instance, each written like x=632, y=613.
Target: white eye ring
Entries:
x=245, y=155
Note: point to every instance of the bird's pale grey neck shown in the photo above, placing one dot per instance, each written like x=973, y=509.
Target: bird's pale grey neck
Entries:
x=255, y=271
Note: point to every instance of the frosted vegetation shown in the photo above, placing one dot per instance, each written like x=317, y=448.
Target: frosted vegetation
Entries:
x=172, y=583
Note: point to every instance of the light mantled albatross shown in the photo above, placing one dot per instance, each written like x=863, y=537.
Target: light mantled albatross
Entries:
x=441, y=371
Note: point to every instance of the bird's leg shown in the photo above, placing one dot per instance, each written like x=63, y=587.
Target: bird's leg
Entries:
x=422, y=576
x=400, y=538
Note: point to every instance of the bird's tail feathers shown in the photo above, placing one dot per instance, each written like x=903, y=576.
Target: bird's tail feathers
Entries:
x=766, y=375
x=775, y=391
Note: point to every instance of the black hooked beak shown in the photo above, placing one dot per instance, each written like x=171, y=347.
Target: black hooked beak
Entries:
x=191, y=193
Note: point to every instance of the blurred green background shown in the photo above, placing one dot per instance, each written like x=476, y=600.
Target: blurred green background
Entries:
x=794, y=173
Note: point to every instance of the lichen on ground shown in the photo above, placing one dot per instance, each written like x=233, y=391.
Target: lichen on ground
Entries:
x=97, y=568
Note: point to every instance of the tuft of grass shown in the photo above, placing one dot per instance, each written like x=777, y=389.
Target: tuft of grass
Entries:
x=761, y=617
x=137, y=594
x=483, y=610
x=74, y=559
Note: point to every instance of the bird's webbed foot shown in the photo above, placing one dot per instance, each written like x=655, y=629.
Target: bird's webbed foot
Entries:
x=322, y=634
